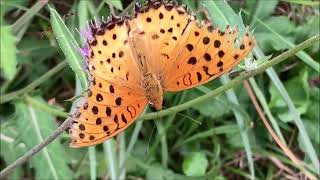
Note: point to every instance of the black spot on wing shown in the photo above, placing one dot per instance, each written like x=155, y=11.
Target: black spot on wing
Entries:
x=206, y=70
x=123, y=118
x=118, y=101
x=199, y=76
x=187, y=79
x=132, y=111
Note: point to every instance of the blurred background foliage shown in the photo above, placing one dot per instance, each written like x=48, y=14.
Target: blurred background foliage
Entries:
x=36, y=85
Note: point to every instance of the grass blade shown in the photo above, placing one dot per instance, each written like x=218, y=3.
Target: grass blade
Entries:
x=266, y=109
x=122, y=155
x=83, y=16
x=110, y=158
x=93, y=163
x=164, y=145
x=28, y=15
x=216, y=131
x=40, y=138
x=133, y=140
x=231, y=95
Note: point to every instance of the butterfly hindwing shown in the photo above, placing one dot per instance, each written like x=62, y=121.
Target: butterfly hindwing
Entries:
x=115, y=97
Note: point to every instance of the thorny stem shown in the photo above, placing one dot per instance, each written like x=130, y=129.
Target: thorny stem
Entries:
x=243, y=76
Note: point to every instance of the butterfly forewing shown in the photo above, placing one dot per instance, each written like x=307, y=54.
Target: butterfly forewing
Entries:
x=205, y=56
x=163, y=27
x=116, y=97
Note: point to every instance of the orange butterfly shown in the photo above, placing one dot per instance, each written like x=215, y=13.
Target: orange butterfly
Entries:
x=134, y=60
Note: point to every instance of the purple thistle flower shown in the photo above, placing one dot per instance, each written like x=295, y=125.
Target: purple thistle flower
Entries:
x=86, y=33
x=85, y=51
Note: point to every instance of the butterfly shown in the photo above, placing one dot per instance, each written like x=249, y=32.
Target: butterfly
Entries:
x=133, y=61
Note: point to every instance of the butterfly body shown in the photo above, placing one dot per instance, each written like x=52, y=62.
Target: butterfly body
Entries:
x=153, y=90
x=151, y=81
x=133, y=61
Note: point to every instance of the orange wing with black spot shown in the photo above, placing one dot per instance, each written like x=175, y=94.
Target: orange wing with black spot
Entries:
x=116, y=97
x=204, y=53
x=184, y=52
x=163, y=25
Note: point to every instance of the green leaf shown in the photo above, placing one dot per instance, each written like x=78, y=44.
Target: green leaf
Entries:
x=157, y=172
x=270, y=42
x=68, y=45
x=26, y=18
x=262, y=9
x=235, y=140
x=222, y=15
x=312, y=128
x=280, y=24
x=7, y=6
x=309, y=28
x=302, y=55
x=9, y=149
x=213, y=108
x=314, y=108
x=8, y=53
x=116, y=3
x=195, y=164
x=34, y=48
x=35, y=126
x=298, y=90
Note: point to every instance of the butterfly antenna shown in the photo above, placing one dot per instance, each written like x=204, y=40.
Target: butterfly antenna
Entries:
x=147, y=150
x=189, y=118
x=240, y=13
x=185, y=116
x=74, y=98
x=253, y=30
x=83, y=94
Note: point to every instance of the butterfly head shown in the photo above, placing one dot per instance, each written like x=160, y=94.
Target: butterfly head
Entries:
x=157, y=104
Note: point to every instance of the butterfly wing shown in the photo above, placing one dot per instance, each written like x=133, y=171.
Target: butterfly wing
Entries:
x=162, y=24
x=115, y=98
x=183, y=52
x=204, y=53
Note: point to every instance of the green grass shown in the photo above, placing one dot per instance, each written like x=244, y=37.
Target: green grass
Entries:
x=212, y=132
